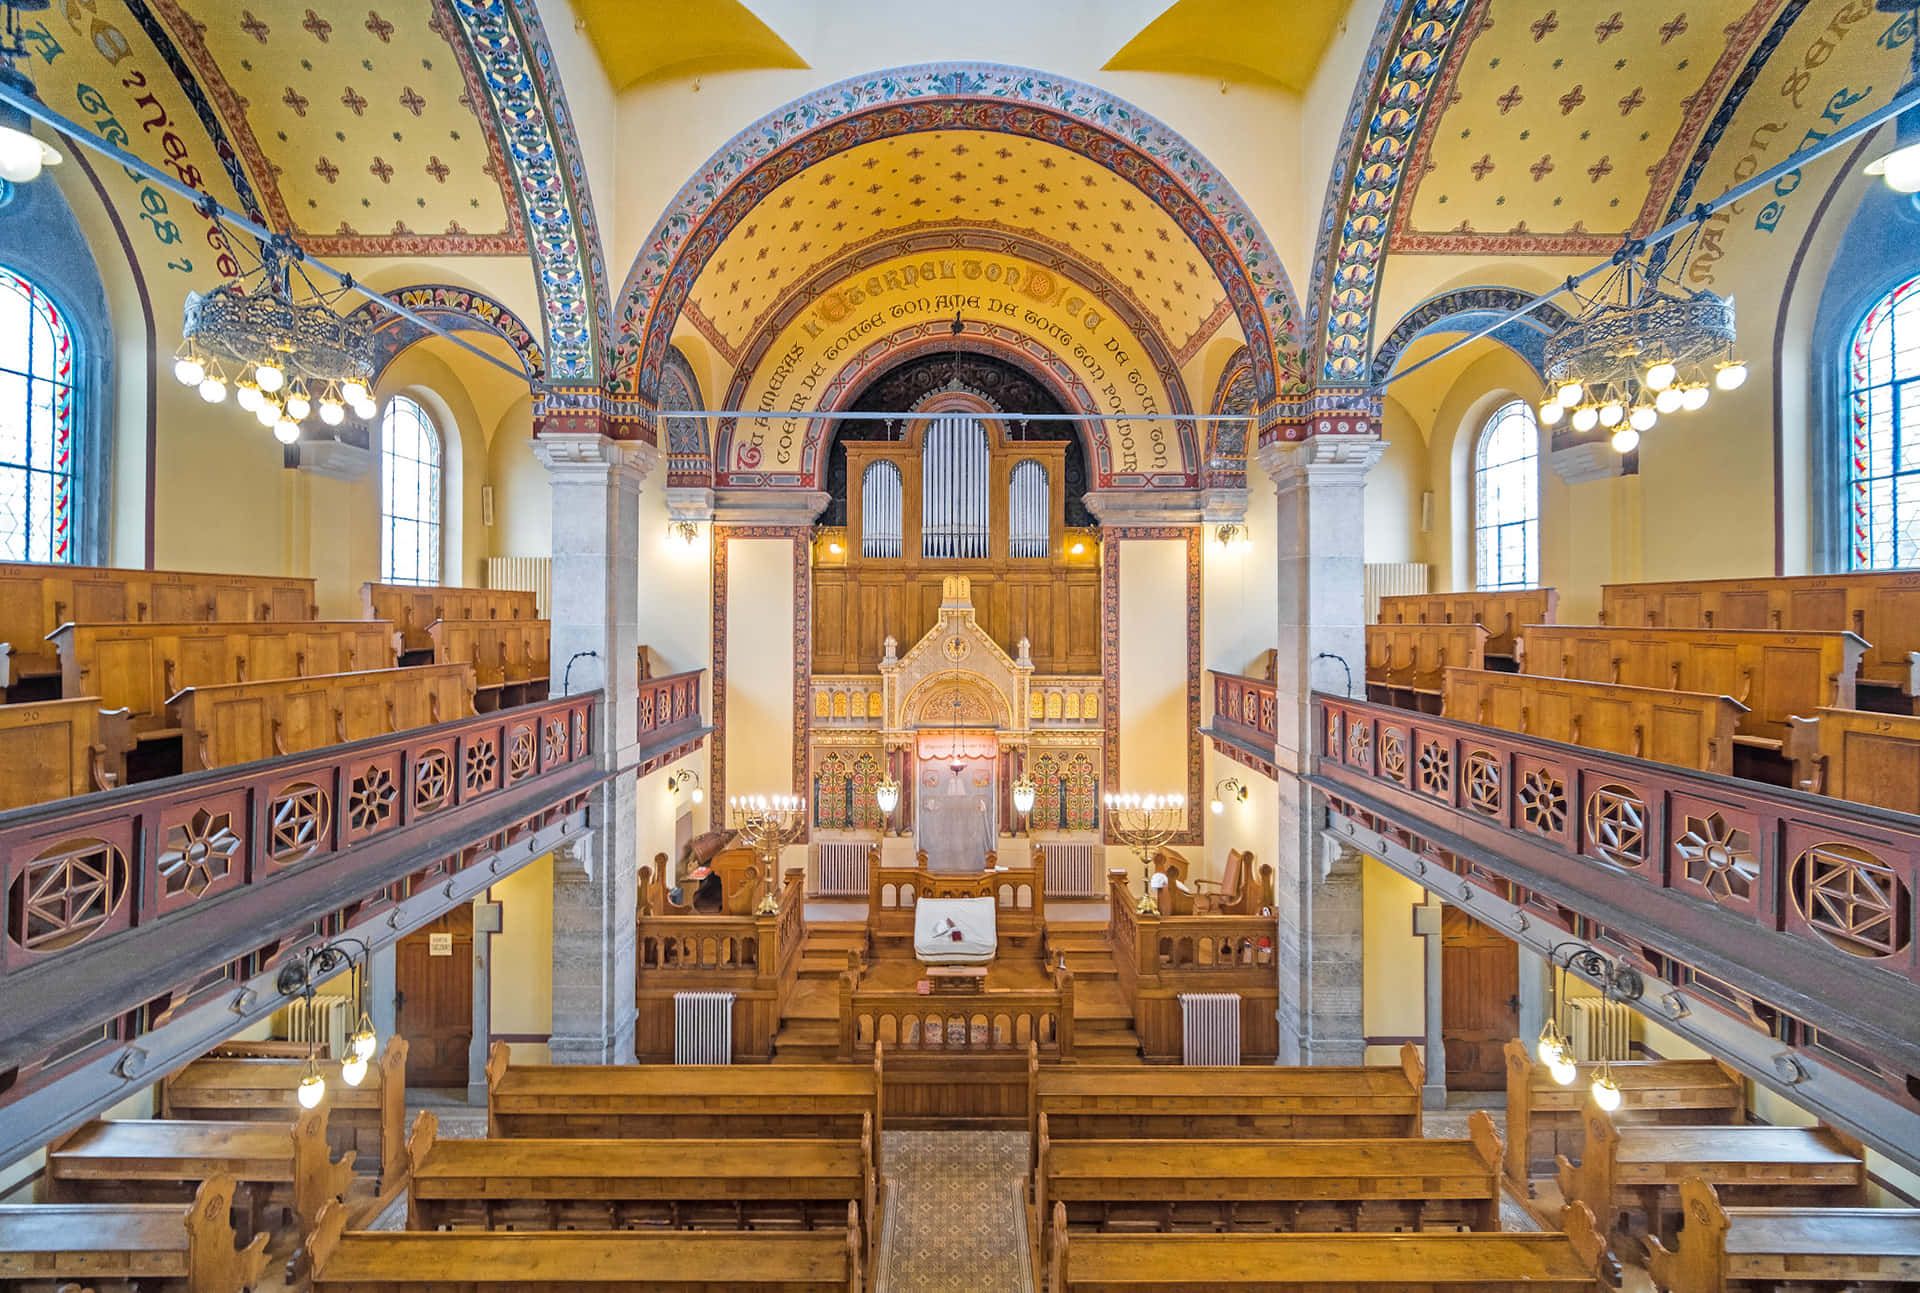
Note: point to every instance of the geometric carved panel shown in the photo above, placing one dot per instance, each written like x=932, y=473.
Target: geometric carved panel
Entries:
x=200, y=853
x=1718, y=856
x=1852, y=899
x=66, y=895
x=300, y=817
x=1617, y=825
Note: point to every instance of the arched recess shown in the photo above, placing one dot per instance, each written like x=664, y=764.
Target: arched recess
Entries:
x=689, y=456
x=450, y=307
x=1226, y=464
x=1167, y=169
x=1469, y=310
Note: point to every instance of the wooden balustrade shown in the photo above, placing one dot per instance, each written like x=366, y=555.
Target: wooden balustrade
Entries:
x=1004, y=1022
x=668, y=722
x=1019, y=894
x=1157, y=958
x=755, y=957
x=37, y=599
x=1247, y=708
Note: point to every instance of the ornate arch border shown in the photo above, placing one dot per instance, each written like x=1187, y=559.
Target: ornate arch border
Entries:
x=1225, y=466
x=516, y=64
x=1470, y=308
x=689, y=454
x=964, y=96
x=452, y=307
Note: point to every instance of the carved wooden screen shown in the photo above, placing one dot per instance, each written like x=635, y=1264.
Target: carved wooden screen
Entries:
x=1883, y=464
x=1506, y=499
x=953, y=490
x=37, y=494
x=1027, y=498
x=880, y=510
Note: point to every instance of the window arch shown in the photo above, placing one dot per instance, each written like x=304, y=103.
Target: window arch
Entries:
x=1506, y=499
x=1883, y=453
x=880, y=492
x=1028, y=495
x=39, y=492
x=411, y=468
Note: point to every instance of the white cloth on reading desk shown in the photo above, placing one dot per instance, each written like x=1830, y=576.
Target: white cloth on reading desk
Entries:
x=973, y=917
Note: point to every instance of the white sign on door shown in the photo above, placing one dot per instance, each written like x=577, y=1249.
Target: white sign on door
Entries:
x=439, y=944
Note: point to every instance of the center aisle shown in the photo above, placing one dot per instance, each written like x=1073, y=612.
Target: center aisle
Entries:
x=955, y=1213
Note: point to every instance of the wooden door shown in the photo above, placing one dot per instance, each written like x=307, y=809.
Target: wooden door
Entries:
x=1479, y=1001
x=433, y=999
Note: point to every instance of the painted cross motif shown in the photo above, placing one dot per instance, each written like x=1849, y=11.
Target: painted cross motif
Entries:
x=1482, y=168
x=354, y=102
x=1632, y=101
x=1600, y=170
x=253, y=26
x=1542, y=168
x=1608, y=27
x=295, y=100
x=1677, y=27
x=382, y=169
x=326, y=170
x=317, y=26
x=411, y=101
x=1510, y=100
x=438, y=169
x=384, y=30
x=1545, y=25
x=1572, y=99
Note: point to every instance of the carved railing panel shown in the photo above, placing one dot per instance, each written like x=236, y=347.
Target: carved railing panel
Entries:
x=668, y=721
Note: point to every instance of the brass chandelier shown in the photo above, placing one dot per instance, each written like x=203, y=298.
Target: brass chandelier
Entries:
x=1642, y=347
x=276, y=338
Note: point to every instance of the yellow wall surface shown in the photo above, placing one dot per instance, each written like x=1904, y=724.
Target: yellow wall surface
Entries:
x=520, y=984
x=1393, y=978
x=1153, y=668
x=759, y=703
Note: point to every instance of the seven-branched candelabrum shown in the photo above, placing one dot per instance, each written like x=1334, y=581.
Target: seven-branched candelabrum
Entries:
x=1144, y=823
x=767, y=823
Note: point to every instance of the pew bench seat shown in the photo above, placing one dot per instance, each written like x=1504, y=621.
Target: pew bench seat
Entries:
x=163, y=1247
x=1733, y=1250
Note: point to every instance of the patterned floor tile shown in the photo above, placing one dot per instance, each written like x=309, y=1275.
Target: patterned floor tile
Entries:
x=955, y=1213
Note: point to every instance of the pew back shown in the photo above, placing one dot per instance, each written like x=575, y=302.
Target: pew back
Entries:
x=242, y=722
x=1722, y=1248
x=1685, y=728
x=53, y=749
x=1867, y=758
x=1503, y=612
x=412, y=608
x=1413, y=658
x=161, y=1245
x=502, y=652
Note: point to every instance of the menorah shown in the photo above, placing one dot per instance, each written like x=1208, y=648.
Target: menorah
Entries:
x=1144, y=823
x=766, y=824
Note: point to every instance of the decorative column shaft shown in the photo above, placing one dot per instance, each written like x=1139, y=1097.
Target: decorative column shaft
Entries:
x=594, y=610
x=1319, y=535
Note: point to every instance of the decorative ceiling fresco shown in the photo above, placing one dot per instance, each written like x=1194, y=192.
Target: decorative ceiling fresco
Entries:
x=641, y=39
x=1563, y=128
x=360, y=126
x=1235, y=40
x=957, y=178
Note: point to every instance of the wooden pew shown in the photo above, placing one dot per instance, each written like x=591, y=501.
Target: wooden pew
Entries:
x=818, y=1261
x=1406, y=663
x=1731, y=1250
x=1776, y=675
x=506, y=655
x=1503, y=613
x=138, y=666
x=162, y=1246
x=593, y=1184
x=1638, y=1169
x=1166, y=1186
x=36, y=599
x=1543, y=1116
x=137, y=1160
x=412, y=608
x=682, y=1101
x=1320, y=1102
x=1865, y=758
x=54, y=749
x=1884, y=609
x=369, y=1119
x=1688, y=729
x=241, y=722
x=1562, y=1262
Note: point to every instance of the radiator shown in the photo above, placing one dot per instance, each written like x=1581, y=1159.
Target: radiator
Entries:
x=525, y=575
x=1074, y=870
x=1392, y=579
x=1209, y=1028
x=1599, y=1030
x=843, y=868
x=319, y=1020
x=703, y=1028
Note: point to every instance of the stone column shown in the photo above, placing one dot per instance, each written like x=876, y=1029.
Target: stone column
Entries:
x=1318, y=484
x=596, y=639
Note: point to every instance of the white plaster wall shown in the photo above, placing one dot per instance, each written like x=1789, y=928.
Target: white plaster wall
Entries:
x=759, y=703
x=1153, y=667
x=676, y=586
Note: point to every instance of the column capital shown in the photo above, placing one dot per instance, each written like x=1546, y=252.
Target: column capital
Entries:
x=1331, y=460
x=586, y=455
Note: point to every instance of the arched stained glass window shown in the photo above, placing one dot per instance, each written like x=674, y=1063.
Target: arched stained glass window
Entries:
x=38, y=489
x=1506, y=499
x=410, y=473
x=1883, y=452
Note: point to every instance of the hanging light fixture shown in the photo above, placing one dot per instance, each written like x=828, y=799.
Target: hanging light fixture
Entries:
x=1023, y=794
x=289, y=352
x=1616, y=983
x=1643, y=346
x=887, y=794
x=22, y=156
x=313, y=1088
x=300, y=978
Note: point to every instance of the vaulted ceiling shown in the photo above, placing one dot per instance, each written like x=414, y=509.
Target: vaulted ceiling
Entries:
x=640, y=39
x=1237, y=39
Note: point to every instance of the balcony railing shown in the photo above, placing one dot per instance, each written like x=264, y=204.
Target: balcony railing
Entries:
x=669, y=721
x=111, y=898
x=1246, y=716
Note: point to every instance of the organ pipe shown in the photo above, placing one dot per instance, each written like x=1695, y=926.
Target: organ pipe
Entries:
x=1027, y=500
x=954, y=518
x=880, y=520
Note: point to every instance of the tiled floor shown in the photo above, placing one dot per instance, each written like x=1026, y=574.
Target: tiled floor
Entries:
x=955, y=1213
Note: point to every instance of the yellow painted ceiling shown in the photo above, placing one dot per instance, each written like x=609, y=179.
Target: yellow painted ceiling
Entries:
x=361, y=120
x=638, y=39
x=1268, y=40
x=950, y=177
x=1562, y=118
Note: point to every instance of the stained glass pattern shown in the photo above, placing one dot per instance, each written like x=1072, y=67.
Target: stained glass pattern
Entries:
x=409, y=494
x=36, y=425
x=1883, y=461
x=832, y=795
x=1506, y=499
x=865, y=810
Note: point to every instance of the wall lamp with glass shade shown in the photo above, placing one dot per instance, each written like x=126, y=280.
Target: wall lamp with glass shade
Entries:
x=299, y=979
x=688, y=779
x=1555, y=1049
x=1228, y=788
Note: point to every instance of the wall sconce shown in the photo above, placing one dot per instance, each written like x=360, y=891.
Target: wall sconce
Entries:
x=299, y=979
x=836, y=547
x=688, y=532
x=1617, y=983
x=1023, y=793
x=1231, y=536
x=687, y=777
x=1227, y=788
x=887, y=794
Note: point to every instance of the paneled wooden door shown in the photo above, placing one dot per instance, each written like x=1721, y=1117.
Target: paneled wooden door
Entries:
x=433, y=999
x=1479, y=1001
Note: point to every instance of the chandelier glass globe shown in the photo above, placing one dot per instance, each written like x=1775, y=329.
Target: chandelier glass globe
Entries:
x=1551, y=412
x=1611, y=413
x=1625, y=440
x=1694, y=398
x=1669, y=400
x=1661, y=376
x=1586, y=418
x=213, y=390
x=1730, y=377
x=1643, y=418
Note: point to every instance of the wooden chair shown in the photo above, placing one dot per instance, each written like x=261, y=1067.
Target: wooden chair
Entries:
x=1574, y=1259
x=820, y=1261
x=1176, y=897
x=154, y=1246
x=1732, y=1250
x=1244, y=889
x=1633, y=1174
x=1544, y=1117
x=1215, y=1186
x=369, y=1119
x=55, y=749
x=142, y=1160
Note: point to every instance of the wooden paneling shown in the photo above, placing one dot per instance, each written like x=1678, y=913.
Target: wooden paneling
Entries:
x=1868, y=758
x=57, y=748
x=225, y=726
x=856, y=608
x=434, y=999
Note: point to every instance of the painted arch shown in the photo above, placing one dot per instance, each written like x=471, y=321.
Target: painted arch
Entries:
x=450, y=307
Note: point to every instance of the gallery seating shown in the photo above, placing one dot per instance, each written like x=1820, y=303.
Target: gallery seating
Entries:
x=1504, y=613
x=412, y=608
x=54, y=749
x=1685, y=728
x=241, y=722
x=1406, y=663
x=1868, y=758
